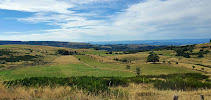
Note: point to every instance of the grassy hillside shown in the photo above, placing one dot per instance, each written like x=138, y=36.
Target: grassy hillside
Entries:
x=24, y=62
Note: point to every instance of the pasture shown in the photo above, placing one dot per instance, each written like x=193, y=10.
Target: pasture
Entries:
x=92, y=64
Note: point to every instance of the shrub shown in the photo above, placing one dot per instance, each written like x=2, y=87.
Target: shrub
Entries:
x=2, y=62
x=127, y=66
x=124, y=60
x=200, y=54
x=19, y=58
x=116, y=59
x=5, y=52
x=138, y=71
x=139, y=80
x=1, y=66
x=164, y=62
x=116, y=81
x=178, y=83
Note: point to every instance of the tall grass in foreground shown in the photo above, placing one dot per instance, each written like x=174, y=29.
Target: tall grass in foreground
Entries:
x=132, y=92
x=105, y=87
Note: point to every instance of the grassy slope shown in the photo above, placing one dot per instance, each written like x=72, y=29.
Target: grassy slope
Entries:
x=156, y=69
x=60, y=71
x=92, y=67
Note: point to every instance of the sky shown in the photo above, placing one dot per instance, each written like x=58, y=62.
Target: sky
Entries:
x=104, y=20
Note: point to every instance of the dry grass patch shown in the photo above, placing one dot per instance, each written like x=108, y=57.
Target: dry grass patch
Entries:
x=43, y=93
x=147, y=92
x=134, y=58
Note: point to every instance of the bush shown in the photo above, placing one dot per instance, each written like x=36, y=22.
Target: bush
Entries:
x=5, y=52
x=124, y=60
x=18, y=58
x=116, y=81
x=164, y=62
x=127, y=66
x=139, y=80
x=138, y=71
x=178, y=83
x=101, y=84
x=200, y=54
x=1, y=66
x=116, y=59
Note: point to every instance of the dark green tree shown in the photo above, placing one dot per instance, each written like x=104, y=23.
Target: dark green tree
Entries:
x=153, y=58
x=62, y=52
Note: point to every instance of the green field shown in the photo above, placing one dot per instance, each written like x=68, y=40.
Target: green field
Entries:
x=60, y=71
x=90, y=67
x=157, y=69
x=97, y=64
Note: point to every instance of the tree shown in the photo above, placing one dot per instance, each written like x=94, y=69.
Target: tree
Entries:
x=153, y=58
x=63, y=52
x=138, y=71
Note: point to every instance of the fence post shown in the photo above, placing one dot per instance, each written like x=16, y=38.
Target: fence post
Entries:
x=202, y=97
x=175, y=97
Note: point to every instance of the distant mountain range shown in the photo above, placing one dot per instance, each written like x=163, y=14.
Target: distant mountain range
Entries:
x=113, y=45
x=156, y=42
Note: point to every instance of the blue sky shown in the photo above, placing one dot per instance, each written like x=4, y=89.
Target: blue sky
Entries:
x=104, y=20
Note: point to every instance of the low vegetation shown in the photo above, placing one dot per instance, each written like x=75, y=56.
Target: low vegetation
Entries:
x=187, y=81
x=100, y=74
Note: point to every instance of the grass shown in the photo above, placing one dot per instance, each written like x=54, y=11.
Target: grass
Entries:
x=5, y=46
x=156, y=69
x=155, y=76
x=94, y=52
x=60, y=71
x=132, y=92
x=92, y=62
x=165, y=52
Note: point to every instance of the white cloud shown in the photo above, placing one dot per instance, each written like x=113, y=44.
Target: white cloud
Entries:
x=152, y=19
x=36, y=5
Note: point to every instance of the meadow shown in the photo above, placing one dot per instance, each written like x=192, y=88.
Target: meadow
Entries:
x=97, y=74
